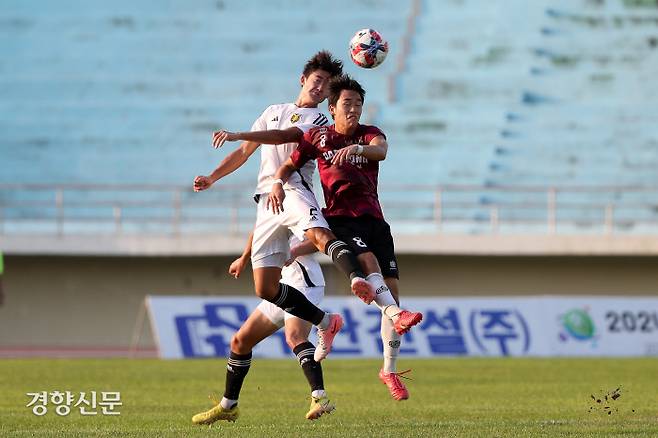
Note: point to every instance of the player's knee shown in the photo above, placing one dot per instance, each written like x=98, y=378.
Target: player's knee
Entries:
x=238, y=344
x=320, y=236
x=267, y=291
x=295, y=338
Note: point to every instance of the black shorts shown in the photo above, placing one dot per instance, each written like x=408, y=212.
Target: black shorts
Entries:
x=368, y=234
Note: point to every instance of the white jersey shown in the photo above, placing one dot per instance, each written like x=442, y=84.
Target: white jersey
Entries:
x=304, y=272
x=284, y=116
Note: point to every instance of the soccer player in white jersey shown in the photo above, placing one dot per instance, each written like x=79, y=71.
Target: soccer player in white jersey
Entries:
x=270, y=242
x=302, y=272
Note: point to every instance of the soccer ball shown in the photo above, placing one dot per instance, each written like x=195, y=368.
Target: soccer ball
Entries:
x=368, y=49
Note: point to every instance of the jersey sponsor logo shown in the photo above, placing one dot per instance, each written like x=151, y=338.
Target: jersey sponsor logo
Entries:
x=359, y=242
x=295, y=118
x=320, y=120
x=357, y=160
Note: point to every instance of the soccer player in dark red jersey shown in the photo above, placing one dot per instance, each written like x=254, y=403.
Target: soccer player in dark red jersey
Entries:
x=348, y=156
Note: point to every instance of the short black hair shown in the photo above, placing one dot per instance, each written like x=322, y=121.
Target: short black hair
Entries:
x=323, y=60
x=344, y=82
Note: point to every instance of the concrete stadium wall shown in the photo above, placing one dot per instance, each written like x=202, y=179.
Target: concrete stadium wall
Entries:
x=93, y=302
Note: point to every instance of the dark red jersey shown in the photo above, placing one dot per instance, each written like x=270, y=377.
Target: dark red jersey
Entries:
x=349, y=189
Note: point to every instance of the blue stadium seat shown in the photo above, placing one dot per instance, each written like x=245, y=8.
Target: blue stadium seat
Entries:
x=543, y=93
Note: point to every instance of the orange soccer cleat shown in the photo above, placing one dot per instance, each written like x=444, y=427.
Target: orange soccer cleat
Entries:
x=362, y=289
x=395, y=386
x=405, y=320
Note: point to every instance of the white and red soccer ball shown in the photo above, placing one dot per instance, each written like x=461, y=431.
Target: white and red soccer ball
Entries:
x=368, y=49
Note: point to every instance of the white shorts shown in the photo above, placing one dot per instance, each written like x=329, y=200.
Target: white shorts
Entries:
x=278, y=316
x=271, y=246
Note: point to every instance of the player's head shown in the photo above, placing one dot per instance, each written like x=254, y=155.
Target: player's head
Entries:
x=317, y=73
x=346, y=98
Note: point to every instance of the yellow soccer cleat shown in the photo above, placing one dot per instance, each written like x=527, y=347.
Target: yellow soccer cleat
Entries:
x=319, y=407
x=216, y=413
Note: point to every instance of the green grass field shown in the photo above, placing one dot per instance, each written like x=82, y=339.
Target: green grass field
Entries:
x=449, y=397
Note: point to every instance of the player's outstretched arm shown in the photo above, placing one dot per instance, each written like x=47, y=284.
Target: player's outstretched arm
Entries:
x=239, y=264
x=374, y=151
x=271, y=136
x=277, y=194
x=229, y=164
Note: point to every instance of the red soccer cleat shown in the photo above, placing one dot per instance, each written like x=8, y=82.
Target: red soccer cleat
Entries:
x=362, y=289
x=326, y=337
x=395, y=386
x=405, y=320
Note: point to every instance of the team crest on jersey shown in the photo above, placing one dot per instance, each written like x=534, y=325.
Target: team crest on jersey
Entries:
x=295, y=118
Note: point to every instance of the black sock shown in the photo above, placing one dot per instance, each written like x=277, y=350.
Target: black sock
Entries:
x=344, y=258
x=312, y=369
x=294, y=302
x=236, y=370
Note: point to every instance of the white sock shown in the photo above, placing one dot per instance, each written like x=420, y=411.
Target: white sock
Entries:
x=391, y=343
x=325, y=322
x=318, y=393
x=227, y=403
x=383, y=297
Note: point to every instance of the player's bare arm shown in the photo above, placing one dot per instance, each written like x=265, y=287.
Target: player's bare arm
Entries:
x=228, y=165
x=277, y=194
x=375, y=151
x=271, y=136
x=238, y=264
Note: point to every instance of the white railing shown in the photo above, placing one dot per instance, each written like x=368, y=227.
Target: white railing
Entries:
x=174, y=210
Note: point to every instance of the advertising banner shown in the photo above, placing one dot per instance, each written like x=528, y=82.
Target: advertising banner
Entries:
x=602, y=326
x=193, y=327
